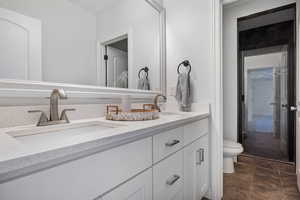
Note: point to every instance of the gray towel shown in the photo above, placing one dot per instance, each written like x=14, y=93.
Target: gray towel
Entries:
x=122, y=81
x=183, y=92
x=143, y=83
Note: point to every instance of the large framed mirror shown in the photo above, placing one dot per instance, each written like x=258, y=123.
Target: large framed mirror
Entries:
x=86, y=45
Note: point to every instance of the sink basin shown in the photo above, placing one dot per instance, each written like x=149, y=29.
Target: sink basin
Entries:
x=63, y=129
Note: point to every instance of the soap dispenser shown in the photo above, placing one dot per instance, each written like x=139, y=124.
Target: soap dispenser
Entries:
x=126, y=103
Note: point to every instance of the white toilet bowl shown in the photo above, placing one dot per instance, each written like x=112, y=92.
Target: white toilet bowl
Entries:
x=231, y=149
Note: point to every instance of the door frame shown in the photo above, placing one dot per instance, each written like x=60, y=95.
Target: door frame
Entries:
x=217, y=106
x=292, y=81
x=216, y=109
x=101, y=52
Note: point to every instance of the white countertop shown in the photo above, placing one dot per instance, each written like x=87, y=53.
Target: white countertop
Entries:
x=19, y=158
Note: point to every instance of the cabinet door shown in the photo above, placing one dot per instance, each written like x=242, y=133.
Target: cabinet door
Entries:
x=196, y=169
x=139, y=188
x=168, y=178
x=204, y=166
x=84, y=178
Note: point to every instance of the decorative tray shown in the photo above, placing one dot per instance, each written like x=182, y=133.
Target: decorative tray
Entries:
x=113, y=112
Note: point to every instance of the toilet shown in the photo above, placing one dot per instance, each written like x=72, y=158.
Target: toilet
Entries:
x=231, y=150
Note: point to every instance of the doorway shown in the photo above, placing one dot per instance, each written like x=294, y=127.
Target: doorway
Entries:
x=116, y=63
x=267, y=83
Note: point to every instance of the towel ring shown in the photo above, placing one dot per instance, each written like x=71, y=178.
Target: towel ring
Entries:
x=185, y=63
x=146, y=70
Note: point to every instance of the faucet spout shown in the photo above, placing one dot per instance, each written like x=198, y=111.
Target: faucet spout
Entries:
x=54, y=118
x=156, y=101
x=55, y=95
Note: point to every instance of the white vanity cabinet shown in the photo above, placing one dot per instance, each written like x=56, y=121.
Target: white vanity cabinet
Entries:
x=169, y=165
x=180, y=166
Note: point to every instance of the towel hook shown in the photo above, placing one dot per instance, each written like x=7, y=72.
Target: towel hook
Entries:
x=185, y=63
x=146, y=70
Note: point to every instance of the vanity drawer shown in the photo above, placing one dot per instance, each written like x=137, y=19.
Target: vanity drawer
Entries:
x=85, y=178
x=195, y=130
x=167, y=143
x=168, y=178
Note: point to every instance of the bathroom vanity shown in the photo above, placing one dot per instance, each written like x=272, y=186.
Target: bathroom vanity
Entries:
x=163, y=159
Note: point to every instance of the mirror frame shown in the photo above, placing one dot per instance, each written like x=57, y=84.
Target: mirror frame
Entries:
x=26, y=92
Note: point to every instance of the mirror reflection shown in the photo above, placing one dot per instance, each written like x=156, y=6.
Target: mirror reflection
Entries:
x=89, y=42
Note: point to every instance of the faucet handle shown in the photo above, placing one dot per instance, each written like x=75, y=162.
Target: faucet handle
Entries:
x=64, y=116
x=43, y=118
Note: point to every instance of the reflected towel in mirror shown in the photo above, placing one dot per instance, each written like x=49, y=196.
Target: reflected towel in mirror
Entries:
x=143, y=83
x=122, y=81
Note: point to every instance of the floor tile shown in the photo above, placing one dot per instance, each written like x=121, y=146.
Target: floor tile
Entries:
x=261, y=179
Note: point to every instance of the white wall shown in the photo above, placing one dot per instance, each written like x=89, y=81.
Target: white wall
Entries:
x=68, y=39
x=12, y=116
x=189, y=35
x=231, y=14
x=141, y=21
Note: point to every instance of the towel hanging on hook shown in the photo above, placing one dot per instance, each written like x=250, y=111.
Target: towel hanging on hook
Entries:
x=185, y=63
x=143, y=82
x=146, y=70
x=183, y=88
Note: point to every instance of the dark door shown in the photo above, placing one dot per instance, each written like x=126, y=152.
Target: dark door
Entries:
x=267, y=90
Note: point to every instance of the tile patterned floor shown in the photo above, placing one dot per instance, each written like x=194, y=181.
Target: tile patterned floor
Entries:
x=260, y=179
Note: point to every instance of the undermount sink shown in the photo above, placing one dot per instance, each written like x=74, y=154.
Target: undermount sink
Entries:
x=63, y=129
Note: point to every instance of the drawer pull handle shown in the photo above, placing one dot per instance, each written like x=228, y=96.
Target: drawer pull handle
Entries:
x=172, y=143
x=173, y=180
x=200, y=156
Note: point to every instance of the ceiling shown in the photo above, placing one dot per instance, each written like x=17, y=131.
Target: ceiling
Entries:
x=95, y=5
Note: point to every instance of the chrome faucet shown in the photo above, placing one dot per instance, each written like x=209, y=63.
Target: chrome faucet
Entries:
x=156, y=101
x=55, y=95
x=54, y=116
